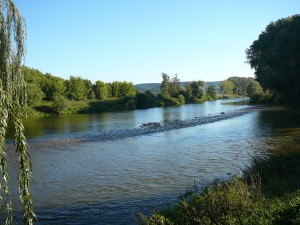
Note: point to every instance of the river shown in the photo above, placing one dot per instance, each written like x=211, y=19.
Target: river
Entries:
x=111, y=181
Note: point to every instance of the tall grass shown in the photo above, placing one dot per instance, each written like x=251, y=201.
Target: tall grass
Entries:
x=268, y=193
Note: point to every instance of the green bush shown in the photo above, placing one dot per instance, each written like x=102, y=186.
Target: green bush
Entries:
x=34, y=94
x=156, y=219
x=226, y=203
x=181, y=99
x=60, y=105
x=270, y=196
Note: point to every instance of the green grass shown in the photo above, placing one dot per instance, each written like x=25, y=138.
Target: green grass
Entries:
x=87, y=106
x=97, y=106
x=268, y=193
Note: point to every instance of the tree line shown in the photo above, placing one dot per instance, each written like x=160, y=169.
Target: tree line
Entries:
x=191, y=93
x=241, y=86
x=118, y=95
x=48, y=87
x=198, y=91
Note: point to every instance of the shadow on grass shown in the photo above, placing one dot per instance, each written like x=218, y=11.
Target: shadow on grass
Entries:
x=111, y=105
x=44, y=109
x=269, y=193
x=280, y=173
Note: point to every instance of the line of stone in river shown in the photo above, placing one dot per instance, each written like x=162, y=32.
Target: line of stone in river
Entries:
x=144, y=129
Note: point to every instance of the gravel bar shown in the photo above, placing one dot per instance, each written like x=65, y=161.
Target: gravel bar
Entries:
x=144, y=129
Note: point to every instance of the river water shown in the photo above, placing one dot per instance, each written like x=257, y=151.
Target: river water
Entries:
x=111, y=181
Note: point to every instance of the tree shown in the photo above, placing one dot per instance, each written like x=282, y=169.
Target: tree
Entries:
x=227, y=87
x=60, y=105
x=100, y=90
x=12, y=105
x=254, y=88
x=165, y=85
x=32, y=75
x=197, y=88
x=115, y=89
x=76, y=88
x=109, y=90
x=275, y=58
x=127, y=89
x=89, y=89
x=211, y=92
x=34, y=94
x=52, y=86
x=240, y=85
x=188, y=92
x=146, y=100
x=181, y=99
x=174, y=87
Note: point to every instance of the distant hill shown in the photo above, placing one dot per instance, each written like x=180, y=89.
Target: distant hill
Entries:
x=155, y=87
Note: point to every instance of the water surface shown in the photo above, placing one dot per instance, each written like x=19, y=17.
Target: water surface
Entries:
x=107, y=182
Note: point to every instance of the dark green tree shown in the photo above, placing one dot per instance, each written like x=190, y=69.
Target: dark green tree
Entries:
x=227, y=87
x=165, y=85
x=146, y=100
x=212, y=92
x=197, y=88
x=76, y=88
x=127, y=89
x=34, y=94
x=60, y=105
x=115, y=89
x=254, y=88
x=174, y=86
x=240, y=85
x=275, y=58
x=181, y=99
x=109, y=90
x=100, y=90
x=52, y=86
x=89, y=89
x=33, y=75
x=187, y=92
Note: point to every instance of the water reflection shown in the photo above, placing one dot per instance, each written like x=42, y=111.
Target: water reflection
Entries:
x=284, y=128
x=64, y=125
x=105, y=182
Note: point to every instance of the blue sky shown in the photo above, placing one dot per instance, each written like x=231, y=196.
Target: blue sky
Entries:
x=137, y=40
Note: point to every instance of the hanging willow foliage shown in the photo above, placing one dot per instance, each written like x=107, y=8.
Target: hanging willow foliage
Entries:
x=12, y=107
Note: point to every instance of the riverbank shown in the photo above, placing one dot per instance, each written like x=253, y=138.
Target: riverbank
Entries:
x=63, y=106
x=267, y=193
x=147, y=100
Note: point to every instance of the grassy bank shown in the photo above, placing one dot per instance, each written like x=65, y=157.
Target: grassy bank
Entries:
x=269, y=193
x=62, y=105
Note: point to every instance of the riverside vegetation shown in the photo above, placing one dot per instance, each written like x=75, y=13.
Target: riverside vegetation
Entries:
x=269, y=191
x=267, y=194
x=48, y=94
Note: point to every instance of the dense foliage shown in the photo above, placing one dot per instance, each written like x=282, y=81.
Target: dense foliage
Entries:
x=192, y=92
x=212, y=92
x=48, y=87
x=50, y=94
x=241, y=86
x=275, y=58
x=267, y=194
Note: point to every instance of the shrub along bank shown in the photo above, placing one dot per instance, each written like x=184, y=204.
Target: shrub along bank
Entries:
x=48, y=94
x=62, y=105
x=269, y=193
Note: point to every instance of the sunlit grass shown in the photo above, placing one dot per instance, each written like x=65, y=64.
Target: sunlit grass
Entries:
x=268, y=193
